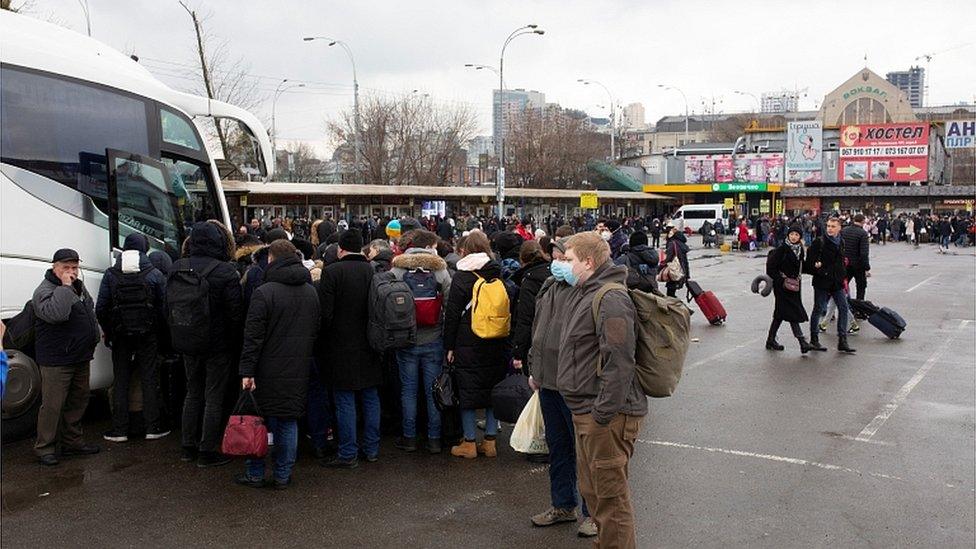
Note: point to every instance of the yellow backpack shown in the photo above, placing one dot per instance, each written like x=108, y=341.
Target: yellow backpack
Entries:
x=490, y=314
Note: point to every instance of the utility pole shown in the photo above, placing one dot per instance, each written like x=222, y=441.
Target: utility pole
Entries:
x=206, y=73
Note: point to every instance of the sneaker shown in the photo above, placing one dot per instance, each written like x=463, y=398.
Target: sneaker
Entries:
x=339, y=463
x=822, y=326
x=855, y=328
x=554, y=515
x=116, y=436
x=369, y=458
x=433, y=445
x=49, y=460
x=407, y=444
x=244, y=480
x=587, y=528
x=156, y=434
x=212, y=459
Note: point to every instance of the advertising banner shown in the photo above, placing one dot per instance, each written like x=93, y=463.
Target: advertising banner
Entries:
x=884, y=152
x=804, y=150
x=746, y=168
x=960, y=134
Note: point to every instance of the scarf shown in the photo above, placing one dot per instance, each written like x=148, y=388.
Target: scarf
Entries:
x=797, y=248
x=834, y=239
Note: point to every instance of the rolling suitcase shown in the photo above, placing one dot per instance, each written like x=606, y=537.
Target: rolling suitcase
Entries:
x=710, y=306
x=889, y=322
x=862, y=309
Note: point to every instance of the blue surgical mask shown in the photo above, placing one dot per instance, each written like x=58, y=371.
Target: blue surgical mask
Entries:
x=560, y=269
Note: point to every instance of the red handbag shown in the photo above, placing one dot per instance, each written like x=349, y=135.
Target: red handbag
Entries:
x=245, y=435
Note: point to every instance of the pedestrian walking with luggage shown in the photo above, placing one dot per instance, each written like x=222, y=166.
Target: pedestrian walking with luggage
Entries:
x=597, y=378
x=66, y=333
x=205, y=310
x=349, y=365
x=427, y=276
x=825, y=261
x=541, y=365
x=857, y=245
x=131, y=310
x=476, y=327
x=676, y=247
x=279, y=338
x=784, y=266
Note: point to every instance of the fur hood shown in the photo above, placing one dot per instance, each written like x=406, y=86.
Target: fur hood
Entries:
x=247, y=251
x=419, y=259
x=473, y=262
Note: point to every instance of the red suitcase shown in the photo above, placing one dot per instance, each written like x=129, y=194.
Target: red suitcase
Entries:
x=710, y=306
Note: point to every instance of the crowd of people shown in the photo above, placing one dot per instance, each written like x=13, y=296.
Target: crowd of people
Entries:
x=291, y=321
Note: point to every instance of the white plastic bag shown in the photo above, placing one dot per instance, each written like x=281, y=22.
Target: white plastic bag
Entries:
x=529, y=436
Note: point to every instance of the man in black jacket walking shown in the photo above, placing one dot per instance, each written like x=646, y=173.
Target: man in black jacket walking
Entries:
x=66, y=334
x=825, y=261
x=856, y=246
x=279, y=337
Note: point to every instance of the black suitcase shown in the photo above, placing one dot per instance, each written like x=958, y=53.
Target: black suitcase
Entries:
x=509, y=398
x=889, y=322
x=862, y=309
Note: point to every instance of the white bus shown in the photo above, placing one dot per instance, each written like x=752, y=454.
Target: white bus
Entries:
x=92, y=148
x=695, y=215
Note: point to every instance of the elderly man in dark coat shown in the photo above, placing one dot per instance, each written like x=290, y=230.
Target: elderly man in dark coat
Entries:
x=279, y=337
x=785, y=263
x=348, y=363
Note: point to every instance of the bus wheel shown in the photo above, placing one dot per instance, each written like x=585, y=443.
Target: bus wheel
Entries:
x=22, y=399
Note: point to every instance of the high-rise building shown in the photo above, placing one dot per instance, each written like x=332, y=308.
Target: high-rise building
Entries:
x=773, y=102
x=508, y=108
x=633, y=116
x=912, y=82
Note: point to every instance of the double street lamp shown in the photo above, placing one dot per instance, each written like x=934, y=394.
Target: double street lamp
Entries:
x=613, y=116
x=355, y=87
x=282, y=88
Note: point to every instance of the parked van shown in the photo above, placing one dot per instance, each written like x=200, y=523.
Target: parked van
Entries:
x=695, y=215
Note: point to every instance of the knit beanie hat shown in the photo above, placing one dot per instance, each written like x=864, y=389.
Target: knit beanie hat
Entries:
x=393, y=229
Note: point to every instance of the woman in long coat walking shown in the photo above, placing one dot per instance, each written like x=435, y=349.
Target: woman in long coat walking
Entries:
x=783, y=265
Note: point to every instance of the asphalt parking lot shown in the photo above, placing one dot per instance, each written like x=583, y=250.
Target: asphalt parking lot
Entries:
x=757, y=448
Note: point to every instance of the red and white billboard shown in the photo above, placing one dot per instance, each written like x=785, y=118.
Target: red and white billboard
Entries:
x=884, y=152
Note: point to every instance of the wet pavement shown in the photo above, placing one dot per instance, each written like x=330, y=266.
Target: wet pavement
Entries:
x=755, y=449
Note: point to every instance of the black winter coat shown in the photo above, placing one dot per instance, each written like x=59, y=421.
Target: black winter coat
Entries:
x=279, y=338
x=479, y=364
x=832, y=272
x=678, y=244
x=529, y=280
x=783, y=262
x=345, y=358
x=856, y=242
x=226, y=302
x=642, y=265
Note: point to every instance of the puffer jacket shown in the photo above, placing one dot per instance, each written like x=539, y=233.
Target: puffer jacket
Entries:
x=529, y=279
x=547, y=328
x=279, y=338
x=856, y=244
x=428, y=260
x=613, y=338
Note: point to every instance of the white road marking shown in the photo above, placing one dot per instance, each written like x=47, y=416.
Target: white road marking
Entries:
x=723, y=353
x=768, y=457
x=908, y=291
x=889, y=409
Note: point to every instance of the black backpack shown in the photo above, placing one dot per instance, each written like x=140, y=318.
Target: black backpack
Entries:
x=19, y=333
x=132, y=303
x=188, y=302
x=392, y=314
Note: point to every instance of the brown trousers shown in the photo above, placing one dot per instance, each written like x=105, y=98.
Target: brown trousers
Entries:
x=64, y=397
x=602, y=456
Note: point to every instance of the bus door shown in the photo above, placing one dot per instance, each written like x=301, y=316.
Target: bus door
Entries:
x=140, y=201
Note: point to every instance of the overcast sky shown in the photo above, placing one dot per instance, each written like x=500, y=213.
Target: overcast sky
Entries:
x=708, y=49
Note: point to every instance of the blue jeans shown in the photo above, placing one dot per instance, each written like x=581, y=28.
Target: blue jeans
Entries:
x=319, y=411
x=945, y=240
x=285, y=450
x=427, y=359
x=561, y=438
x=820, y=300
x=468, y=423
x=345, y=402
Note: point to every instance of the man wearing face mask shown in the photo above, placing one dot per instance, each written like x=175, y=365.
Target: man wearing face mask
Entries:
x=596, y=376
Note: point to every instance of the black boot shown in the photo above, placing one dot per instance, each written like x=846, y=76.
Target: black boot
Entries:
x=805, y=347
x=773, y=345
x=815, y=343
x=842, y=345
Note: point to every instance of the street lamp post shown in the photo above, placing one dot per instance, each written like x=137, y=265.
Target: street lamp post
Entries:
x=355, y=88
x=274, y=105
x=752, y=95
x=613, y=116
x=683, y=96
x=500, y=190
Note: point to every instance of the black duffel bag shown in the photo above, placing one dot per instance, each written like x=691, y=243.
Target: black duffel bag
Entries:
x=509, y=397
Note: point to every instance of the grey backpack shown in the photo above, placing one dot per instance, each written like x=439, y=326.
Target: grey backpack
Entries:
x=392, y=316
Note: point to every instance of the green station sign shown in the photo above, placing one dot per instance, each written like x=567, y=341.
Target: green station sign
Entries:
x=739, y=187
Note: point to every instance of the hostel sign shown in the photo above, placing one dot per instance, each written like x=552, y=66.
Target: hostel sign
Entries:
x=884, y=152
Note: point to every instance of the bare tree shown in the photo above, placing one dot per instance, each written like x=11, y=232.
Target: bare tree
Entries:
x=225, y=79
x=406, y=139
x=304, y=166
x=551, y=149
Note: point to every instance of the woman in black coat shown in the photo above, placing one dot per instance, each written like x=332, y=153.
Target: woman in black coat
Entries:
x=279, y=338
x=529, y=278
x=478, y=364
x=785, y=262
